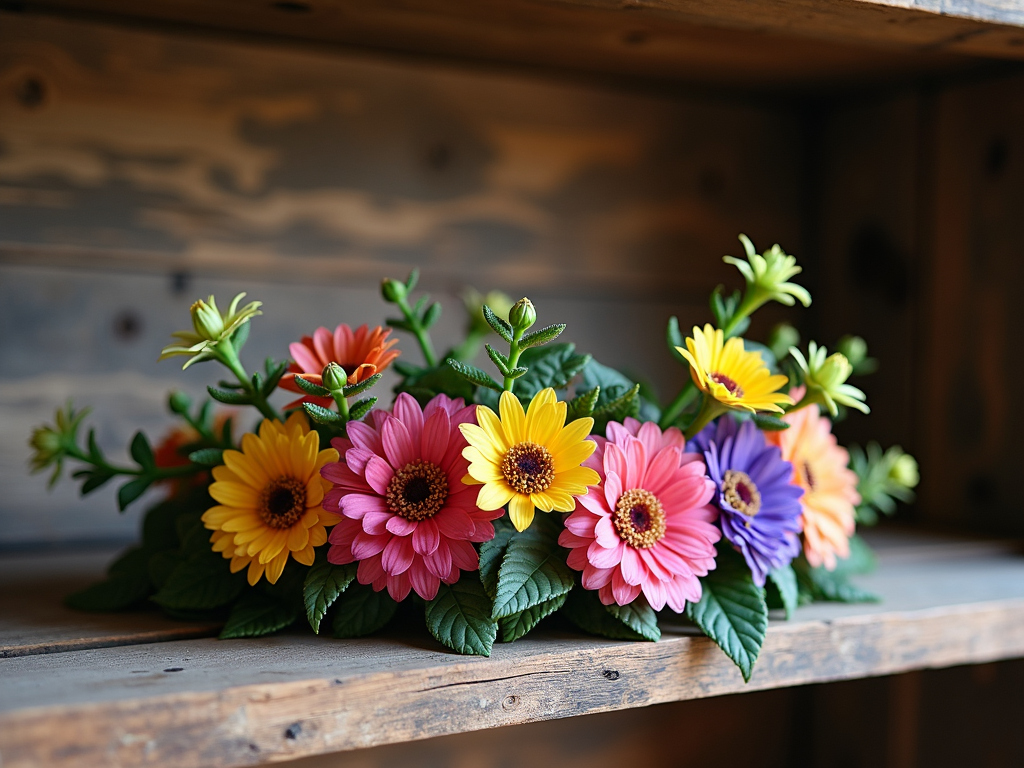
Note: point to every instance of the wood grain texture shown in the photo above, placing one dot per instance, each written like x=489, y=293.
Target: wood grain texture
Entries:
x=787, y=44
x=246, y=702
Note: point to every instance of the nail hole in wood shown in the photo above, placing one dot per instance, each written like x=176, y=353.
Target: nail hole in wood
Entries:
x=610, y=674
x=439, y=156
x=635, y=37
x=293, y=731
x=180, y=282
x=174, y=669
x=30, y=91
x=127, y=325
x=510, y=702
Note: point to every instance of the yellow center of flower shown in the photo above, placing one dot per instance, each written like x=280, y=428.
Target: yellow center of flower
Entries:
x=417, y=491
x=639, y=518
x=528, y=468
x=734, y=389
x=282, y=502
x=741, y=493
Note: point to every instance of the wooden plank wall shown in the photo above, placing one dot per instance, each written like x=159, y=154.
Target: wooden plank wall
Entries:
x=140, y=171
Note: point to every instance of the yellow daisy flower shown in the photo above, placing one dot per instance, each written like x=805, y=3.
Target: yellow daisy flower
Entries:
x=528, y=460
x=730, y=374
x=270, y=496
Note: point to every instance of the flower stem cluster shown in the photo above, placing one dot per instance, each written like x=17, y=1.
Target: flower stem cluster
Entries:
x=416, y=319
x=477, y=328
x=825, y=379
x=883, y=479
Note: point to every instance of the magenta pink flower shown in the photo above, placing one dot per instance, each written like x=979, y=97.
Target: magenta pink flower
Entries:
x=406, y=515
x=648, y=526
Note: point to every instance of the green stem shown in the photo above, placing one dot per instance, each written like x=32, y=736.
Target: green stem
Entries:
x=225, y=352
x=157, y=473
x=421, y=333
x=751, y=301
x=678, y=405
x=513, y=356
x=709, y=410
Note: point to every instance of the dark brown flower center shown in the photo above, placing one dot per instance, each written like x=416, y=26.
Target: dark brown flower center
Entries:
x=639, y=518
x=282, y=502
x=741, y=493
x=417, y=491
x=528, y=468
x=734, y=389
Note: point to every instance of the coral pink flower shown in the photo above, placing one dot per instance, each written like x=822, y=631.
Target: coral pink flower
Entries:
x=362, y=353
x=406, y=515
x=648, y=526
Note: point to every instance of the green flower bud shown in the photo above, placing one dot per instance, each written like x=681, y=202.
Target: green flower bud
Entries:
x=179, y=402
x=856, y=351
x=211, y=328
x=904, y=471
x=393, y=291
x=522, y=315
x=206, y=320
x=767, y=275
x=826, y=377
x=334, y=377
x=782, y=337
x=47, y=447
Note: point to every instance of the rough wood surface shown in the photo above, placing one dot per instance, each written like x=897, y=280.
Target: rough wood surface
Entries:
x=735, y=42
x=243, y=702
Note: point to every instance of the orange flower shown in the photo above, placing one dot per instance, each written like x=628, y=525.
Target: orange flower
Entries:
x=170, y=452
x=820, y=467
x=362, y=353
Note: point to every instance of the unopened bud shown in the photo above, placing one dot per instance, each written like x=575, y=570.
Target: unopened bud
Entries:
x=206, y=320
x=393, y=291
x=334, y=377
x=904, y=471
x=522, y=315
x=179, y=402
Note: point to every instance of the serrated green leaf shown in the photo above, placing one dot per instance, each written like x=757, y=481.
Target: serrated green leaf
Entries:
x=412, y=279
x=584, y=609
x=361, y=408
x=310, y=388
x=518, y=624
x=473, y=374
x=208, y=457
x=420, y=304
x=274, y=374
x=257, y=382
x=732, y=611
x=141, y=451
x=612, y=383
x=639, y=617
x=623, y=406
x=256, y=614
x=357, y=389
x=582, y=405
x=432, y=315
x=200, y=582
x=784, y=579
x=131, y=490
x=360, y=611
x=322, y=415
x=543, y=336
x=499, y=360
x=769, y=422
x=491, y=553
x=533, y=569
x=499, y=326
x=552, y=366
x=459, y=616
x=324, y=583
x=230, y=398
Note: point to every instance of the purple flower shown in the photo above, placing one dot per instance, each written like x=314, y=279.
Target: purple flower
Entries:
x=761, y=514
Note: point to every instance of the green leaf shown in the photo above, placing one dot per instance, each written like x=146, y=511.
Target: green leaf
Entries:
x=357, y=389
x=784, y=579
x=582, y=405
x=240, y=336
x=256, y=614
x=830, y=586
x=499, y=326
x=639, y=617
x=324, y=582
x=412, y=279
x=460, y=616
x=322, y=415
x=674, y=338
x=97, y=478
x=116, y=593
x=473, y=374
x=428, y=382
x=499, y=360
x=360, y=611
x=769, y=422
x=533, y=569
x=553, y=366
x=432, y=315
x=406, y=369
x=310, y=388
x=131, y=490
x=612, y=383
x=732, y=611
x=584, y=609
x=274, y=374
x=543, y=336
x=359, y=409
x=208, y=457
x=492, y=552
x=200, y=582
x=622, y=407
x=518, y=624
x=861, y=559
x=230, y=398
x=161, y=565
x=141, y=452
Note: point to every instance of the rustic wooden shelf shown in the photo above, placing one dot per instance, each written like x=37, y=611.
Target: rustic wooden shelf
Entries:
x=750, y=43
x=153, y=700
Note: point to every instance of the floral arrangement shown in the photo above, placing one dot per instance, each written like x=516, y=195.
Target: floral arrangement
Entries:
x=491, y=503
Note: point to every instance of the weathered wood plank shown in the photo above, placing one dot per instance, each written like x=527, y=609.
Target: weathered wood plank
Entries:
x=790, y=43
x=239, y=702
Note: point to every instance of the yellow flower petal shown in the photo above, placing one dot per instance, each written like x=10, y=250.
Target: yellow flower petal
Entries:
x=513, y=418
x=494, y=496
x=276, y=567
x=520, y=512
x=256, y=569
x=298, y=537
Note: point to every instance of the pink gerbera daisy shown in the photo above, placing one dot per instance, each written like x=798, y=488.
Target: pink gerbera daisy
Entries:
x=648, y=526
x=406, y=515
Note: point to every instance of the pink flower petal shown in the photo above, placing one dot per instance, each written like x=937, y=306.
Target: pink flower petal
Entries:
x=600, y=557
x=357, y=458
x=369, y=570
x=595, y=578
x=425, y=537
x=454, y=523
x=399, y=585
x=408, y=411
x=649, y=434
x=340, y=474
x=612, y=487
x=439, y=562
x=582, y=523
x=397, y=555
x=483, y=531
x=633, y=570
x=662, y=470
x=595, y=502
x=464, y=555
x=577, y=558
x=636, y=464
x=364, y=436
x=424, y=583
x=398, y=444
x=400, y=526
x=378, y=474
x=605, y=533
x=364, y=545
x=623, y=593
x=323, y=343
x=305, y=358
x=376, y=523
x=356, y=505
x=617, y=433
x=655, y=592
x=342, y=535
x=434, y=441
x=614, y=463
